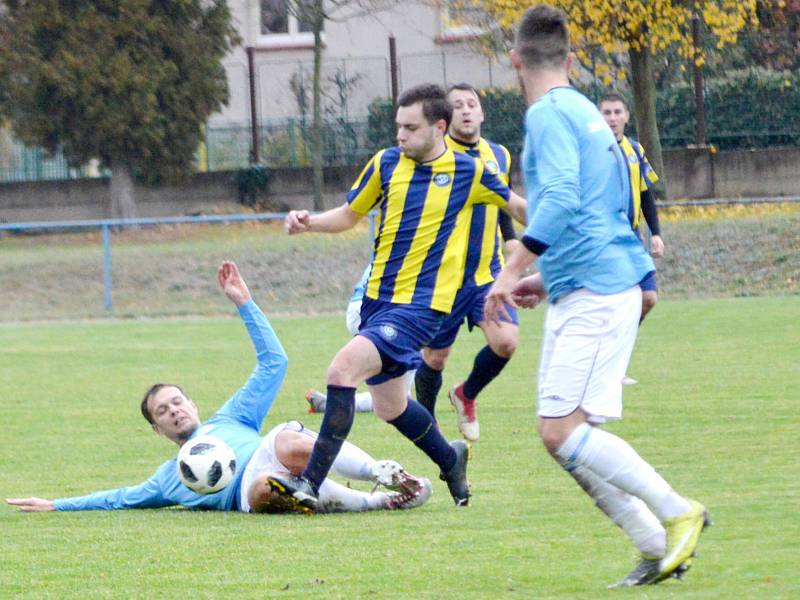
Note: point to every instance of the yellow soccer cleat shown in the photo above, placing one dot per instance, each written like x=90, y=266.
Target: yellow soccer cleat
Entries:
x=683, y=534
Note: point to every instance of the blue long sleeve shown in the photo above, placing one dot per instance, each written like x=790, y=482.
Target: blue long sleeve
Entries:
x=252, y=402
x=578, y=197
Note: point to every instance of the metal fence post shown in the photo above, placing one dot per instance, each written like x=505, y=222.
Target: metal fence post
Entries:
x=107, y=267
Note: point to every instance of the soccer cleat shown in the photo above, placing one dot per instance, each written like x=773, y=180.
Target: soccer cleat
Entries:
x=456, y=477
x=683, y=534
x=465, y=412
x=410, y=499
x=316, y=401
x=297, y=493
x=629, y=381
x=393, y=476
x=647, y=572
x=644, y=573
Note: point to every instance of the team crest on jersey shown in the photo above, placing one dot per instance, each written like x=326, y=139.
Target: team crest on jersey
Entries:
x=492, y=167
x=442, y=179
x=388, y=332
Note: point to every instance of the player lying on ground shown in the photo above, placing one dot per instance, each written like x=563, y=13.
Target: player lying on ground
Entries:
x=284, y=450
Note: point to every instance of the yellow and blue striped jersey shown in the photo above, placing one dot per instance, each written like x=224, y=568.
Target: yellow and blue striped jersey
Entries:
x=484, y=250
x=641, y=174
x=421, y=230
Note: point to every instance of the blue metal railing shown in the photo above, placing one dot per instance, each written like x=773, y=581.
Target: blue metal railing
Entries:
x=106, y=226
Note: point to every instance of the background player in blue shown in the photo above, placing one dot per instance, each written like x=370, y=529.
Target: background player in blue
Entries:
x=615, y=111
x=285, y=448
x=421, y=188
x=591, y=263
x=484, y=260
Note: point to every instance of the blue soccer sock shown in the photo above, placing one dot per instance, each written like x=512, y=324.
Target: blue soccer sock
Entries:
x=336, y=424
x=486, y=367
x=418, y=425
x=427, y=383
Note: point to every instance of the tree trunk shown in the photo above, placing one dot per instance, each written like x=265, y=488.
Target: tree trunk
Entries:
x=644, y=105
x=316, y=128
x=123, y=203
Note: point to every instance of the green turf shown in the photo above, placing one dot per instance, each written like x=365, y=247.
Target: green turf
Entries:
x=715, y=411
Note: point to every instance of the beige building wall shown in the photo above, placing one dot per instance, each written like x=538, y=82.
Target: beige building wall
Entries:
x=356, y=55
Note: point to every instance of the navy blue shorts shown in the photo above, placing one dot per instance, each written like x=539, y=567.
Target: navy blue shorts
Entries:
x=649, y=284
x=468, y=304
x=399, y=331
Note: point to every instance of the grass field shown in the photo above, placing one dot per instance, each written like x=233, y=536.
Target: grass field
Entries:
x=715, y=412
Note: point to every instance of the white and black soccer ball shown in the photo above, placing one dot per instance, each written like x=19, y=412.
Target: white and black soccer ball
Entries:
x=206, y=464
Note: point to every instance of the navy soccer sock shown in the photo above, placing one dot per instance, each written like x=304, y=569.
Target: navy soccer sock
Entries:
x=339, y=414
x=418, y=425
x=427, y=383
x=487, y=366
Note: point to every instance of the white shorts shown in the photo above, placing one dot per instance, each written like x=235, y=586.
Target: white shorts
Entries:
x=353, y=317
x=588, y=341
x=265, y=460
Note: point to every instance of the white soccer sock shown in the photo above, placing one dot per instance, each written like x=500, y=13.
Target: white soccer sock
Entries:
x=613, y=460
x=353, y=463
x=626, y=511
x=363, y=402
x=335, y=497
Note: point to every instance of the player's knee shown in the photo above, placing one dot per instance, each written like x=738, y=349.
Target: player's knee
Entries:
x=293, y=450
x=436, y=358
x=551, y=434
x=340, y=373
x=505, y=346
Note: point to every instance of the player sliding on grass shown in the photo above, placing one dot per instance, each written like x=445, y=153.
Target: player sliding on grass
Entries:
x=424, y=192
x=283, y=451
x=591, y=264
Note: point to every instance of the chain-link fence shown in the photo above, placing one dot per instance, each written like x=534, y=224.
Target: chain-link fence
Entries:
x=751, y=108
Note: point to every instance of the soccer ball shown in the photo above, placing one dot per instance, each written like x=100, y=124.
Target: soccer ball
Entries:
x=206, y=464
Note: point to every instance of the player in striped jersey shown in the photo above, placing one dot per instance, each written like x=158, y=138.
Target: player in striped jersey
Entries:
x=420, y=188
x=483, y=261
x=615, y=112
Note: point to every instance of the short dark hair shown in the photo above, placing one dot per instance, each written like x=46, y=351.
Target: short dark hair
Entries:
x=152, y=392
x=433, y=99
x=615, y=97
x=464, y=87
x=542, y=37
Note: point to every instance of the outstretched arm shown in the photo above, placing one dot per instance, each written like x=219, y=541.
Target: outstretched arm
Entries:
x=250, y=404
x=147, y=494
x=334, y=220
x=32, y=504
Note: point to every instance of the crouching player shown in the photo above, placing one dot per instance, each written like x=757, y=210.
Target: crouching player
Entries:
x=285, y=449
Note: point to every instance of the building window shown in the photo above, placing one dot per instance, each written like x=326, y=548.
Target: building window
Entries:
x=460, y=19
x=280, y=27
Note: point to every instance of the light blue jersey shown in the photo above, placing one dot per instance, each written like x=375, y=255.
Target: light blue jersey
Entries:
x=361, y=286
x=578, y=197
x=237, y=423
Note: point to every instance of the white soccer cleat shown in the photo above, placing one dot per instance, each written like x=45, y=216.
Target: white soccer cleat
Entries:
x=629, y=381
x=466, y=414
x=391, y=475
x=410, y=499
